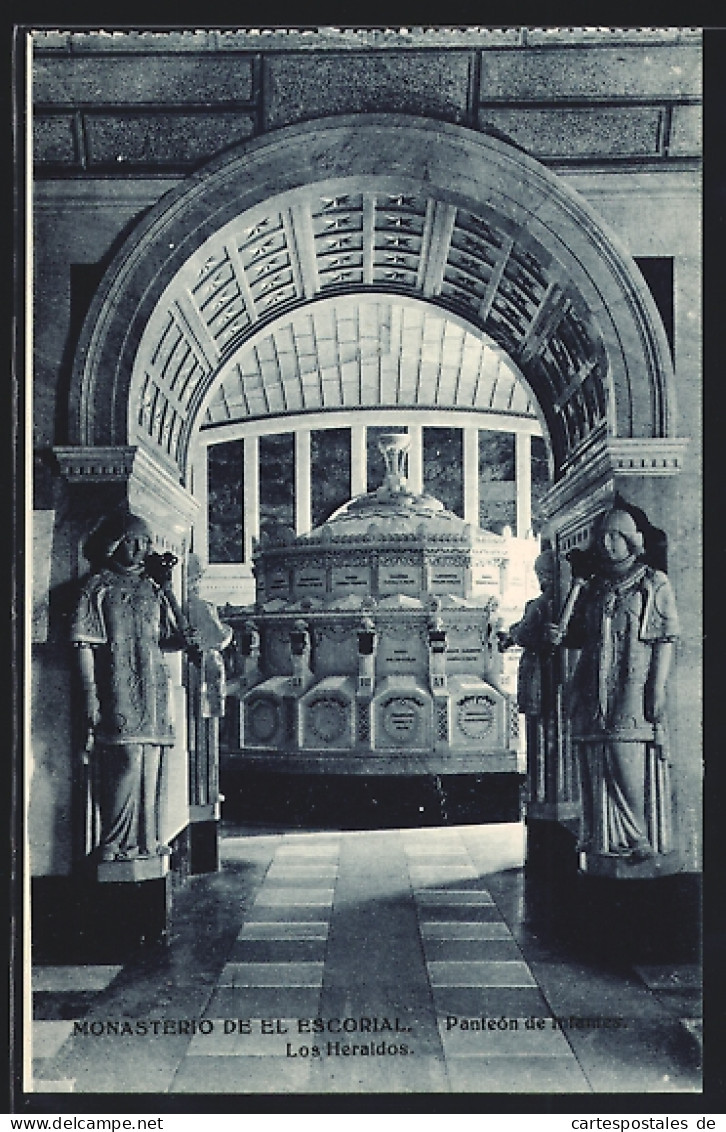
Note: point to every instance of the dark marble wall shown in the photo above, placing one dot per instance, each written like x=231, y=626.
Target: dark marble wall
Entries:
x=146, y=101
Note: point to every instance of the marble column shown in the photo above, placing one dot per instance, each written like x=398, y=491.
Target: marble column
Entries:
x=523, y=482
x=303, y=501
x=358, y=460
x=251, y=494
x=471, y=475
x=415, y=459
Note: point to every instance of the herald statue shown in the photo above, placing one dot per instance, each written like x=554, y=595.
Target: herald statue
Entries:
x=206, y=686
x=126, y=619
x=535, y=675
x=624, y=623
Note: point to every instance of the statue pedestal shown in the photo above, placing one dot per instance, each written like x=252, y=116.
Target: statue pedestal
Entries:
x=134, y=870
x=551, y=876
x=654, y=920
x=204, y=838
x=128, y=904
x=618, y=867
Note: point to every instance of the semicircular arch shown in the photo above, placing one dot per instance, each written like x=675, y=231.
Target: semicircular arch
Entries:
x=371, y=204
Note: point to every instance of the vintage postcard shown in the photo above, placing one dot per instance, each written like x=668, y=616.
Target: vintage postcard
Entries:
x=362, y=751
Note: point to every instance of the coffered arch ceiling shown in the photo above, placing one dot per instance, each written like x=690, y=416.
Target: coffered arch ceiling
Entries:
x=365, y=351
x=391, y=211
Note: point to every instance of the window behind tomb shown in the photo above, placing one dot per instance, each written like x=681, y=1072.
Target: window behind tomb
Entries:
x=540, y=480
x=277, y=483
x=330, y=484
x=442, y=466
x=225, y=501
x=497, y=486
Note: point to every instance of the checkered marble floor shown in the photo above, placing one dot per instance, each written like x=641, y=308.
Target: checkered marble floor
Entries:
x=379, y=961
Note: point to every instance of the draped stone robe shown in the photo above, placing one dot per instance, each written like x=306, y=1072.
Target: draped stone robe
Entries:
x=617, y=624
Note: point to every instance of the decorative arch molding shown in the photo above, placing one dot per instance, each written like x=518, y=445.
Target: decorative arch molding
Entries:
x=493, y=237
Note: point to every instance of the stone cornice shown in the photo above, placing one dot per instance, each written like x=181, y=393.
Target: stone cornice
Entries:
x=150, y=486
x=48, y=42
x=610, y=458
x=95, y=465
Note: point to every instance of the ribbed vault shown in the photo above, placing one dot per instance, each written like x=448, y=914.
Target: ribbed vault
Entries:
x=374, y=208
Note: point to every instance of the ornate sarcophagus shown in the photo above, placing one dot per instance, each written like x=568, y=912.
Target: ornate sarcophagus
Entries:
x=371, y=648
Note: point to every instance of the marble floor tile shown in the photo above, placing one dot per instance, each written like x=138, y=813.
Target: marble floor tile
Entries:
x=234, y=1075
x=671, y=977
x=285, y=930
x=490, y=1002
x=383, y=1073
x=287, y=897
x=150, y=998
x=421, y=934
x=40, y=1084
x=114, y=1064
x=463, y=913
x=483, y=950
x=426, y=896
x=446, y=858
x=94, y=977
x=278, y=951
x=463, y=1039
x=686, y=1004
x=57, y=1005
x=431, y=875
x=520, y=1075
x=464, y=929
x=289, y=874
x=382, y=1013
x=271, y=975
x=284, y=913
x=264, y=1002
x=642, y=1057
x=480, y=974
x=255, y=1037
x=243, y=849
x=48, y=1037
x=586, y=992
x=302, y=846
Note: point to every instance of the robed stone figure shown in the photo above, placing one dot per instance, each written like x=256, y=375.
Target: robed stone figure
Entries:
x=125, y=621
x=625, y=626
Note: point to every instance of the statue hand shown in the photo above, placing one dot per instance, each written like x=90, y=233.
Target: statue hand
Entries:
x=552, y=634
x=93, y=714
x=655, y=701
x=91, y=722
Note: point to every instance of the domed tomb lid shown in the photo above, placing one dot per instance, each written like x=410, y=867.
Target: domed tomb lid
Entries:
x=393, y=511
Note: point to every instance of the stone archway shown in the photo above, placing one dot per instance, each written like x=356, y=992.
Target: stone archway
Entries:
x=380, y=203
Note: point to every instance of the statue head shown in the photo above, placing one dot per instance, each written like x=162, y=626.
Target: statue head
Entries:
x=125, y=538
x=620, y=542
x=544, y=568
